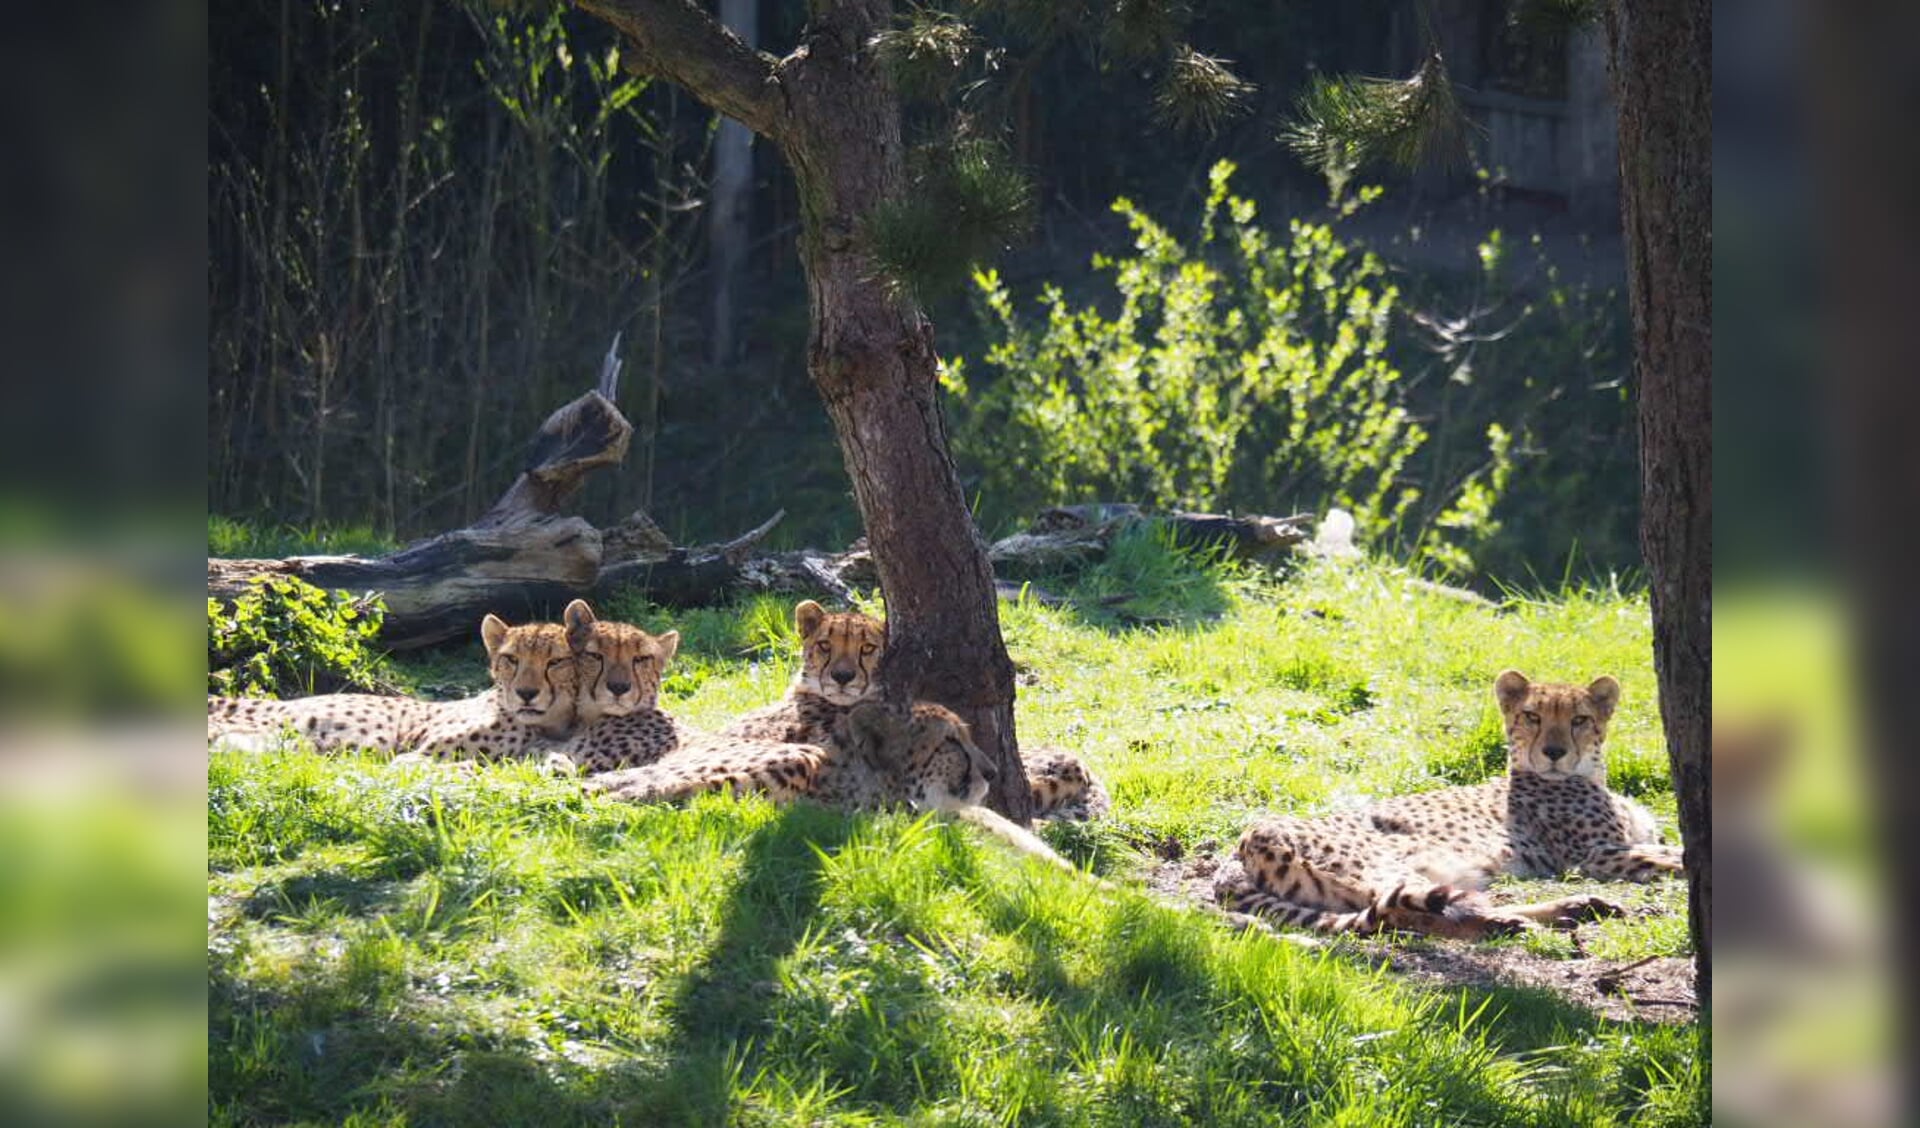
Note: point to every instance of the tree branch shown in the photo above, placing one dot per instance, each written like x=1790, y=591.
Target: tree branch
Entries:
x=678, y=41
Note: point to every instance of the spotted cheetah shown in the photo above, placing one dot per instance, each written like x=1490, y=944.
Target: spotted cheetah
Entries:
x=875, y=763
x=839, y=668
x=533, y=694
x=621, y=722
x=928, y=762
x=840, y=656
x=1412, y=862
x=620, y=664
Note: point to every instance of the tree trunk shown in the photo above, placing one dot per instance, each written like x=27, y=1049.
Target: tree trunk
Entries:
x=1662, y=74
x=871, y=356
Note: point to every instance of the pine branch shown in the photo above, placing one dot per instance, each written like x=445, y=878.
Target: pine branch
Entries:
x=1340, y=124
x=1198, y=92
x=678, y=41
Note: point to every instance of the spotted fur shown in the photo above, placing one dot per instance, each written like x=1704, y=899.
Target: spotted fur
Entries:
x=928, y=763
x=620, y=664
x=840, y=657
x=1062, y=786
x=533, y=694
x=1416, y=862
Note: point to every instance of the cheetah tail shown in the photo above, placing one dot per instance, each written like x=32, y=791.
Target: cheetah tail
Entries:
x=1017, y=836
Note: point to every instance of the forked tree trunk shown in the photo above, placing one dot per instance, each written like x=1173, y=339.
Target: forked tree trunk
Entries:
x=1663, y=81
x=872, y=358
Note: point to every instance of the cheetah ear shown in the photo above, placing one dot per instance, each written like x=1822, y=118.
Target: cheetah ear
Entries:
x=493, y=632
x=807, y=617
x=669, y=644
x=1510, y=688
x=1605, y=692
x=579, y=620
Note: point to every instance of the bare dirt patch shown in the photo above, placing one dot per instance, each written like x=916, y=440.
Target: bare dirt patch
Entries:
x=1650, y=989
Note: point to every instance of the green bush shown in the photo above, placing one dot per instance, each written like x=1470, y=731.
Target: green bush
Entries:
x=287, y=636
x=1238, y=372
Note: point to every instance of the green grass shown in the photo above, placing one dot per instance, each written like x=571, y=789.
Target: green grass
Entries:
x=239, y=538
x=408, y=946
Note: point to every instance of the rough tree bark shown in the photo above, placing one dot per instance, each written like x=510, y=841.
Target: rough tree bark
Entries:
x=871, y=356
x=835, y=116
x=1663, y=82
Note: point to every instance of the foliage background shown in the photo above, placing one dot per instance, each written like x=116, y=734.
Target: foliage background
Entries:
x=428, y=220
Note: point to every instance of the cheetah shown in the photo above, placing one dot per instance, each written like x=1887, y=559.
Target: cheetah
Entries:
x=621, y=725
x=875, y=763
x=620, y=664
x=927, y=762
x=533, y=694
x=840, y=669
x=1413, y=862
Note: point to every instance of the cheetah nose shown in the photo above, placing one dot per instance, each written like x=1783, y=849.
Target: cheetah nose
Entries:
x=843, y=676
x=619, y=688
x=1554, y=752
x=527, y=695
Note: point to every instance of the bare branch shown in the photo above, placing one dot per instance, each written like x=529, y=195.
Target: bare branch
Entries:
x=610, y=368
x=678, y=41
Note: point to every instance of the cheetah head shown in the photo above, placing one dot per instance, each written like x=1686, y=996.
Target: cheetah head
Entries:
x=533, y=672
x=931, y=756
x=620, y=664
x=1556, y=729
x=840, y=653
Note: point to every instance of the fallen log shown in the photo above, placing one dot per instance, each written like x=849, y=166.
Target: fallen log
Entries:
x=524, y=559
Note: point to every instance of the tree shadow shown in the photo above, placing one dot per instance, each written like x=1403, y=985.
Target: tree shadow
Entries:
x=726, y=1003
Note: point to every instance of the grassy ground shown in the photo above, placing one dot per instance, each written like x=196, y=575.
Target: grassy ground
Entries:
x=393, y=945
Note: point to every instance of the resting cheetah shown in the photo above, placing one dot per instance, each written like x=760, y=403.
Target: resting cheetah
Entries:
x=1408, y=863
x=620, y=664
x=840, y=668
x=622, y=725
x=927, y=763
x=533, y=694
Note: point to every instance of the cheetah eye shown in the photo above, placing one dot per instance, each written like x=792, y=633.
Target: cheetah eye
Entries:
x=594, y=658
x=868, y=649
x=1532, y=718
x=643, y=660
x=823, y=646
x=509, y=661
x=1582, y=722
x=558, y=663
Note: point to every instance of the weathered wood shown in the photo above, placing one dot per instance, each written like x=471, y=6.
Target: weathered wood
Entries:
x=576, y=440
x=522, y=559
x=438, y=589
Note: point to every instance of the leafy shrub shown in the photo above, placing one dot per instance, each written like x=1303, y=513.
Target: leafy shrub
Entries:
x=287, y=636
x=1238, y=372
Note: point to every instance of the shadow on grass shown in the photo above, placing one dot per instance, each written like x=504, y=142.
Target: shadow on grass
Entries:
x=352, y=893
x=725, y=1004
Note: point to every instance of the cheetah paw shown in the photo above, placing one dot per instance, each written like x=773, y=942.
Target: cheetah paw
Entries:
x=1570, y=912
